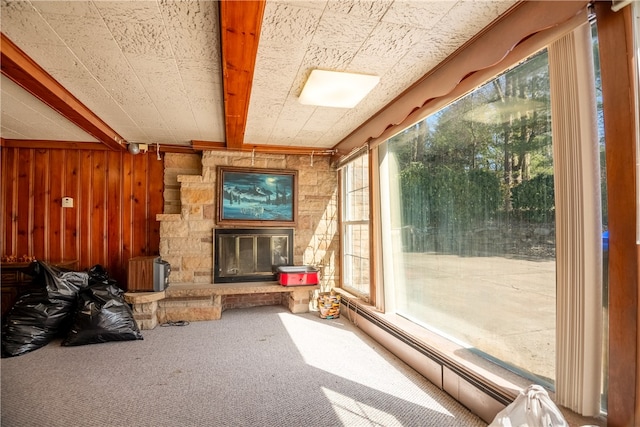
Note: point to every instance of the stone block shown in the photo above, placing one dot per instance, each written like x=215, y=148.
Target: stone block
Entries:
x=169, y=217
x=308, y=177
x=190, y=314
x=203, y=277
x=197, y=262
x=211, y=159
x=185, y=179
x=209, y=211
x=184, y=245
x=171, y=194
x=171, y=208
x=181, y=277
x=175, y=262
x=195, y=212
x=184, y=161
x=174, y=229
x=146, y=324
x=201, y=226
x=196, y=196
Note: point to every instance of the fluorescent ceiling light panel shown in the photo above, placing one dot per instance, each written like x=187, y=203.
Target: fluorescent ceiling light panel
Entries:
x=336, y=89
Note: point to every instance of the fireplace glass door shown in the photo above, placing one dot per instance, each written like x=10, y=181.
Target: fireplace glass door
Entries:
x=251, y=254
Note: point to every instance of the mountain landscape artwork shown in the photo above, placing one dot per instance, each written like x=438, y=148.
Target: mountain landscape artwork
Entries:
x=256, y=195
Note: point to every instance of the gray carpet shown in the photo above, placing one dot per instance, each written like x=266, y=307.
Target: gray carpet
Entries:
x=260, y=366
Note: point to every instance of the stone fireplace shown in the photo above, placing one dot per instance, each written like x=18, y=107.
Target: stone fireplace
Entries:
x=250, y=254
x=188, y=241
x=187, y=230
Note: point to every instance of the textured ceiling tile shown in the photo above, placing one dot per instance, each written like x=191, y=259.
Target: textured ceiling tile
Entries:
x=467, y=18
x=79, y=9
x=210, y=124
x=133, y=134
x=147, y=116
x=12, y=7
x=194, y=15
x=91, y=41
x=286, y=24
x=58, y=61
x=309, y=138
x=280, y=62
x=152, y=69
x=311, y=4
x=342, y=32
x=325, y=57
x=10, y=133
x=31, y=118
x=259, y=132
x=140, y=12
x=162, y=136
x=196, y=70
x=422, y=14
x=24, y=25
x=204, y=90
x=322, y=117
x=371, y=64
x=194, y=44
x=368, y=9
x=141, y=38
x=392, y=40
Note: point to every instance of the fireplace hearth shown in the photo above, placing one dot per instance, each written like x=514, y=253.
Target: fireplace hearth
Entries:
x=250, y=254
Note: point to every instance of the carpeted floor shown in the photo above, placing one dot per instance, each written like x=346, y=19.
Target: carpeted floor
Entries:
x=260, y=366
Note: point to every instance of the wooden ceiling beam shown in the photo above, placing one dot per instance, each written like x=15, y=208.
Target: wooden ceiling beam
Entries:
x=21, y=69
x=240, y=24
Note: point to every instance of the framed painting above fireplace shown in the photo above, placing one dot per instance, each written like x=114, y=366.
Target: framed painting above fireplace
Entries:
x=259, y=197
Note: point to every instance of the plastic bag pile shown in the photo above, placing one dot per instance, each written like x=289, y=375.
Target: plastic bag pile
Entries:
x=83, y=307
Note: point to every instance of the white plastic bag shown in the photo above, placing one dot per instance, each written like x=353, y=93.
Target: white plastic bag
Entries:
x=532, y=408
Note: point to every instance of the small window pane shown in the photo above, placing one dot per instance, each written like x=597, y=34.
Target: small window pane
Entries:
x=355, y=220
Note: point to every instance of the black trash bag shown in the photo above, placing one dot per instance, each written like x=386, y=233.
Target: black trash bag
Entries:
x=60, y=283
x=42, y=315
x=98, y=274
x=34, y=321
x=102, y=315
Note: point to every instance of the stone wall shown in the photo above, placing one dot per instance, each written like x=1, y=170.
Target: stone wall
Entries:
x=174, y=165
x=186, y=238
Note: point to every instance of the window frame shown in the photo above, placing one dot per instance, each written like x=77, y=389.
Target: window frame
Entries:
x=345, y=223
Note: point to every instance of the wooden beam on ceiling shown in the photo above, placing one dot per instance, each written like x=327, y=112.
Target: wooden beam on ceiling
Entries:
x=20, y=68
x=240, y=22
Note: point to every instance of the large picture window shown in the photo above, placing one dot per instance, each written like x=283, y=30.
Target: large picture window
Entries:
x=472, y=221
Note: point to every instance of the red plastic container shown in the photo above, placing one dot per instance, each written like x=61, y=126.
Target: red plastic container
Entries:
x=297, y=276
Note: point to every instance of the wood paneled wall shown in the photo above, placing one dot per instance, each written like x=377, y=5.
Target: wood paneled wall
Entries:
x=116, y=198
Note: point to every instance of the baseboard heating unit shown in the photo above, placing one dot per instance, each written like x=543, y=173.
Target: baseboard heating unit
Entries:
x=356, y=312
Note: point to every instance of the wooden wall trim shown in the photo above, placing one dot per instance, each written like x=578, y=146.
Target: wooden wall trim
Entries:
x=54, y=145
x=616, y=56
x=269, y=149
